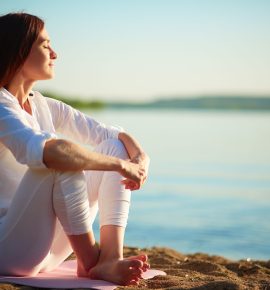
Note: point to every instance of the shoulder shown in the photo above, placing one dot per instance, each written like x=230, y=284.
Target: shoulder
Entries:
x=9, y=105
x=7, y=98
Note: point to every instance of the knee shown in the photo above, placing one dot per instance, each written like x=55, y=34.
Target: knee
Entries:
x=70, y=176
x=70, y=202
x=112, y=147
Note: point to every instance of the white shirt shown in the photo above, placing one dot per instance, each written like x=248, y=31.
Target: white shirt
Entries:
x=23, y=136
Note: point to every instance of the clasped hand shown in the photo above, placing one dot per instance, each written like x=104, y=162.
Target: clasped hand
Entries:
x=136, y=172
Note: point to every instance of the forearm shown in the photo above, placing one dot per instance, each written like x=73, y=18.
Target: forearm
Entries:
x=132, y=146
x=137, y=156
x=64, y=155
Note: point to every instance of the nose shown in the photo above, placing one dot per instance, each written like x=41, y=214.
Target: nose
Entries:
x=53, y=54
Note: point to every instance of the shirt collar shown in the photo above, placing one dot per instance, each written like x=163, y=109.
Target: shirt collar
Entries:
x=8, y=96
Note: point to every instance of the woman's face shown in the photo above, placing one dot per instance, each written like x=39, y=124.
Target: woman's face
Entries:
x=39, y=63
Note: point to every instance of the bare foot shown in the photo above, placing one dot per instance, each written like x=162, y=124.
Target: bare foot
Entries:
x=81, y=272
x=143, y=258
x=121, y=272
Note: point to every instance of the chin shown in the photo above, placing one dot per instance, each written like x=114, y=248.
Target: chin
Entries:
x=49, y=74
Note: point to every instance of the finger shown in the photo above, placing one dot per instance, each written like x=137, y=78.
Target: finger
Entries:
x=137, y=186
x=125, y=181
x=134, y=186
x=131, y=185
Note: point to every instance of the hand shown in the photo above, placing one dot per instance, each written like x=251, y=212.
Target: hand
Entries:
x=143, y=161
x=134, y=173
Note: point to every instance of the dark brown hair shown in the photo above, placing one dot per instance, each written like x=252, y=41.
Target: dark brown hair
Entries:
x=18, y=32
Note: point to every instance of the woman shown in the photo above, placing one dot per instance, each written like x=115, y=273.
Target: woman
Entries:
x=51, y=188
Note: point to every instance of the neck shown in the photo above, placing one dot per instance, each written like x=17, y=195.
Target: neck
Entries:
x=20, y=89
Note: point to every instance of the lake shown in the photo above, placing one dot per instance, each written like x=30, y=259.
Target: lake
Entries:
x=209, y=183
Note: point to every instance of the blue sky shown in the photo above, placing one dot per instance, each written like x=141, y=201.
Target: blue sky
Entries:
x=143, y=49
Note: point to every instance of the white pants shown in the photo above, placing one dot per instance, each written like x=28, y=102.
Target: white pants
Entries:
x=49, y=205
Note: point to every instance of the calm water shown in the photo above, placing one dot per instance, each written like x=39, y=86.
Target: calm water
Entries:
x=209, y=184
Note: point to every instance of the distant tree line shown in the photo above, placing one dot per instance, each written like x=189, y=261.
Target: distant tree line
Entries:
x=198, y=103
x=77, y=102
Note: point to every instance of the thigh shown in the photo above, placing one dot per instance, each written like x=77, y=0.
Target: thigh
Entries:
x=60, y=250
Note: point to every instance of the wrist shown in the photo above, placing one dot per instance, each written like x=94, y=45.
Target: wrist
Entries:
x=120, y=165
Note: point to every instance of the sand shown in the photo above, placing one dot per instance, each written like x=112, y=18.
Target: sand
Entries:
x=197, y=272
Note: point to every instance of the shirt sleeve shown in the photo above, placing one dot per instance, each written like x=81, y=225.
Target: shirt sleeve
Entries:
x=25, y=143
x=79, y=126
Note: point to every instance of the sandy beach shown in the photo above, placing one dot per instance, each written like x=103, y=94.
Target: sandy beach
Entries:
x=197, y=271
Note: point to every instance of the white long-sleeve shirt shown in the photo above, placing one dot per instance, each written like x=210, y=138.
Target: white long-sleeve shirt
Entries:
x=23, y=136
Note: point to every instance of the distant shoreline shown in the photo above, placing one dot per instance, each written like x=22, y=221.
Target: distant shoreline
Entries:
x=234, y=103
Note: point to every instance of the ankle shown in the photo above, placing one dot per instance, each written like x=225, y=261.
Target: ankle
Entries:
x=86, y=262
x=110, y=257
x=85, y=249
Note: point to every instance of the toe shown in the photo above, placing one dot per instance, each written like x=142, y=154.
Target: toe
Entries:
x=136, y=263
x=145, y=267
x=144, y=257
x=135, y=272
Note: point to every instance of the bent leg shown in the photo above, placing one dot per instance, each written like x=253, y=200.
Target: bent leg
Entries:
x=70, y=200
x=71, y=205
x=113, y=201
x=105, y=190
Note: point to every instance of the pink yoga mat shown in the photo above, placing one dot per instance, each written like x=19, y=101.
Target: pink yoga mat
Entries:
x=65, y=277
